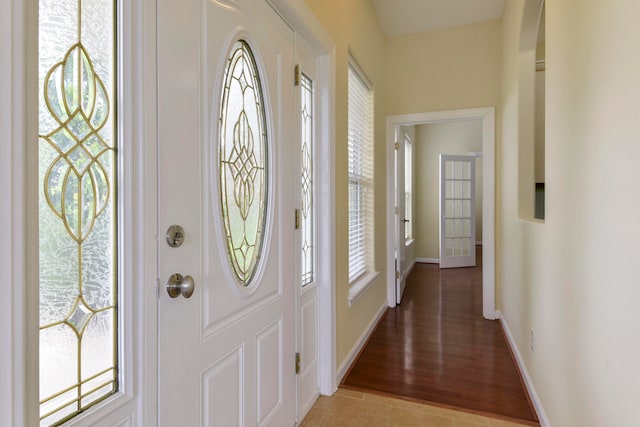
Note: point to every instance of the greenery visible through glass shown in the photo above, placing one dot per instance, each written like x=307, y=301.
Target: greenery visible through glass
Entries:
x=77, y=209
x=243, y=162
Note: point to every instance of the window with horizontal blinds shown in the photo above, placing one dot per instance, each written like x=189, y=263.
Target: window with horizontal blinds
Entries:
x=360, y=164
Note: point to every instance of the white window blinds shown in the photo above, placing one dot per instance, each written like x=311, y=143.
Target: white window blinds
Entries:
x=360, y=164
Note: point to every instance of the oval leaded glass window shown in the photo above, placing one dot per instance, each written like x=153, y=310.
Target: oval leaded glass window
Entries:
x=243, y=162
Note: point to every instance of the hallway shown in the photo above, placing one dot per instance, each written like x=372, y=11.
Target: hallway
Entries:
x=436, y=347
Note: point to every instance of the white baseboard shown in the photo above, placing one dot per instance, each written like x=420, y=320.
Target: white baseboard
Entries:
x=537, y=405
x=428, y=260
x=355, y=351
x=408, y=270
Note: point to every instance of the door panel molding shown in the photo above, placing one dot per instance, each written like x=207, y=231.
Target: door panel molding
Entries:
x=268, y=344
x=197, y=45
x=230, y=414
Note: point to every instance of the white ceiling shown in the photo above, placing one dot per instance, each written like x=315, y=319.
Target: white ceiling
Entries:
x=400, y=17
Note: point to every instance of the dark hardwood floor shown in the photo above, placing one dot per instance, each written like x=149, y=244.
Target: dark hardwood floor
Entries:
x=437, y=347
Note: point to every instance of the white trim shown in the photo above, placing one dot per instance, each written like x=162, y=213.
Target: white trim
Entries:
x=355, y=66
x=297, y=14
x=14, y=53
x=428, y=260
x=479, y=243
x=360, y=343
x=327, y=224
x=537, y=404
x=487, y=115
x=407, y=271
x=360, y=285
x=142, y=129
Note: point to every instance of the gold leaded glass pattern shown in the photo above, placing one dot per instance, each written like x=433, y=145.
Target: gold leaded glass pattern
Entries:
x=243, y=162
x=77, y=210
x=306, y=160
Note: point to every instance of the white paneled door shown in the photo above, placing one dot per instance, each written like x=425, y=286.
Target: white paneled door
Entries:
x=457, y=211
x=401, y=215
x=227, y=150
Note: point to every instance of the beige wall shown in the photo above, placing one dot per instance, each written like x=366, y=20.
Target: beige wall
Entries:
x=432, y=140
x=574, y=279
x=354, y=28
x=444, y=69
x=410, y=74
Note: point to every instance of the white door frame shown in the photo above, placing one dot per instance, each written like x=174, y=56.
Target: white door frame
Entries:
x=13, y=184
x=487, y=115
x=307, y=26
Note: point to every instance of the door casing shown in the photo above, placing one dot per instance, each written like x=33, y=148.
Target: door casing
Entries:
x=487, y=116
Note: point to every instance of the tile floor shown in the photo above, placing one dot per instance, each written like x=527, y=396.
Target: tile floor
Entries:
x=347, y=408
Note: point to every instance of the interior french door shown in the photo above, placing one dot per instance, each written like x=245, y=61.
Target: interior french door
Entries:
x=227, y=150
x=457, y=211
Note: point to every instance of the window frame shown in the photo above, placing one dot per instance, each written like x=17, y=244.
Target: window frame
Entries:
x=360, y=172
x=137, y=255
x=55, y=408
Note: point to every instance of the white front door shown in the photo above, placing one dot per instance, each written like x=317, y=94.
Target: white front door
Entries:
x=226, y=175
x=457, y=211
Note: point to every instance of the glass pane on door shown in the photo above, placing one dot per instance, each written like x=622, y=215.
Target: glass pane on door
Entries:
x=77, y=206
x=307, y=196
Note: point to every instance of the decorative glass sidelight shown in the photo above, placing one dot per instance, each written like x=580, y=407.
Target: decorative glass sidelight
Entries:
x=77, y=207
x=243, y=162
x=307, y=196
